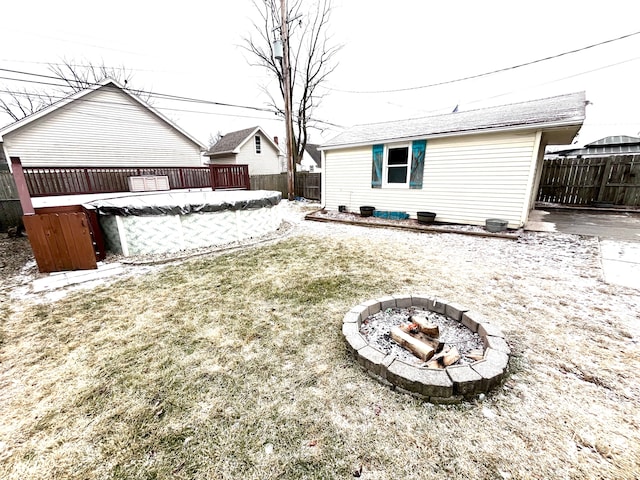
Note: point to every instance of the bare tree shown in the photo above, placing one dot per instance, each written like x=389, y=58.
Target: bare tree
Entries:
x=311, y=57
x=74, y=77
x=213, y=139
x=18, y=103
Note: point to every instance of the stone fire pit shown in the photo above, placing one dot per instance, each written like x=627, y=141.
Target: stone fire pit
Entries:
x=452, y=384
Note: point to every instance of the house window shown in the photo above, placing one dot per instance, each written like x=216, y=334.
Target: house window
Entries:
x=396, y=168
x=398, y=165
x=257, y=143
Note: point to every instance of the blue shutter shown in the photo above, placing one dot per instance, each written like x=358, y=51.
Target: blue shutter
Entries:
x=417, y=163
x=376, y=169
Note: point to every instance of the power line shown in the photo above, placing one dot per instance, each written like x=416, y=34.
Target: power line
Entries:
x=500, y=70
x=561, y=79
x=160, y=96
x=120, y=104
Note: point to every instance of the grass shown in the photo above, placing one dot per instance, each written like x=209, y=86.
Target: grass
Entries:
x=234, y=366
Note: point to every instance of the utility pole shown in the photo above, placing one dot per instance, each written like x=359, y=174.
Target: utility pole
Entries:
x=286, y=78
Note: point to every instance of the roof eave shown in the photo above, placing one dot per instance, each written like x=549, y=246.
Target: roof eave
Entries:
x=540, y=126
x=221, y=154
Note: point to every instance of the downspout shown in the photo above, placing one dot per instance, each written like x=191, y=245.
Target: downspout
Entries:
x=323, y=179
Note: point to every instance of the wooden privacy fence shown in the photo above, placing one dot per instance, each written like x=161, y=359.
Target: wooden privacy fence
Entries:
x=586, y=181
x=10, y=209
x=307, y=185
x=50, y=181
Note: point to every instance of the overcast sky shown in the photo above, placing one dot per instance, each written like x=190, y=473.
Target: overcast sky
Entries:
x=192, y=48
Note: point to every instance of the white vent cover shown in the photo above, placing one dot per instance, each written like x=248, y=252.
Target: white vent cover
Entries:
x=148, y=183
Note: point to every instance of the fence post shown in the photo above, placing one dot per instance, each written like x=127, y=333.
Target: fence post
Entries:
x=21, y=185
x=212, y=178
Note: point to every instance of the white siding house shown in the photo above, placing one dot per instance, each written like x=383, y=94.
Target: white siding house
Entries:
x=252, y=147
x=101, y=126
x=465, y=166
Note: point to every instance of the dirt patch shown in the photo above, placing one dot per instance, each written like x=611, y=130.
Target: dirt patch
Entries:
x=16, y=260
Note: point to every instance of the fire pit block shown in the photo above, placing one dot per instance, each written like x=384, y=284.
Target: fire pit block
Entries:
x=489, y=329
x=437, y=305
x=403, y=301
x=371, y=359
x=472, y=320
x=387, y=302
x=496, y=343
x=454, y=311
x=356, y=341
x=435, y=383
x=492, y=368
x=403, y=375
x=421, y=301
x=466, y=381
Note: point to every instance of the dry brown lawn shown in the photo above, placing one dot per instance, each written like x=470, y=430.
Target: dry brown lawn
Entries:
x=233, y=366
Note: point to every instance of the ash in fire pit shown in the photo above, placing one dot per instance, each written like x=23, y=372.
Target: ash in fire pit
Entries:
x=452, y=334
x=481, y=351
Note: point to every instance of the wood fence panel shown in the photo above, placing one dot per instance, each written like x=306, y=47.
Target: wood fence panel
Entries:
x=10, y=208
x=308, y=185
x=10, y=214
x=276, y=182
x=61, y=241
x=583, y=181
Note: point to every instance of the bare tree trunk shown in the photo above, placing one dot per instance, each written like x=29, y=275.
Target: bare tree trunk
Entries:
x=308, y=58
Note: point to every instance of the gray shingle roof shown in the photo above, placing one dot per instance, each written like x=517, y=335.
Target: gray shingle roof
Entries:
x=230, y=141
x=613, y=145
x=615, y=140
x=312, y=150
x=563, y=110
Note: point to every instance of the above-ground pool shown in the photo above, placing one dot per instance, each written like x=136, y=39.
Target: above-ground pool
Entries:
x=173, y=221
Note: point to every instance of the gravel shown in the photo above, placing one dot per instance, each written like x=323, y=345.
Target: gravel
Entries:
x=375, y=329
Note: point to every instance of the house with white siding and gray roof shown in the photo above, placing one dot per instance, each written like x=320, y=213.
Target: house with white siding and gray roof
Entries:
x=101, y=126
x=466, y=166
x=250, y=146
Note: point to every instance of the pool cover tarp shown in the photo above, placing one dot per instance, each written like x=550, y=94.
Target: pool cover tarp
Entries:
x=183, y=203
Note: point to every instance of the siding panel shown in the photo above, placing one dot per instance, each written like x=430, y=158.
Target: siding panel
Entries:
x=103, y=128
x=466, y=179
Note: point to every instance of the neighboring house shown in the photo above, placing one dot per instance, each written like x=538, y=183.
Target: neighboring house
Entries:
x=101, y=126
x=252, y=147
x=311, y=159
x=464, y=166
x=605, y=147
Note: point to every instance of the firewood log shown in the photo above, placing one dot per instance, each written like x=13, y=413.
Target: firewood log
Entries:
x=426, y=327
x=420, y=349
x=414, y=330
x=444, y=359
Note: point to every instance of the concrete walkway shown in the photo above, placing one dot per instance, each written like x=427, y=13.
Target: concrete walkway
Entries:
x=618, y=232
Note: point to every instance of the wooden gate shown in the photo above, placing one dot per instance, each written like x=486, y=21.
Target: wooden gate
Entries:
x=61, y=241
x=308, y=185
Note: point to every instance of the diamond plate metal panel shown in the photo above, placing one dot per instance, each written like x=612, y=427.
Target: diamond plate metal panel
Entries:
x=153, y=234
x=206, y=229
x=111, y=233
